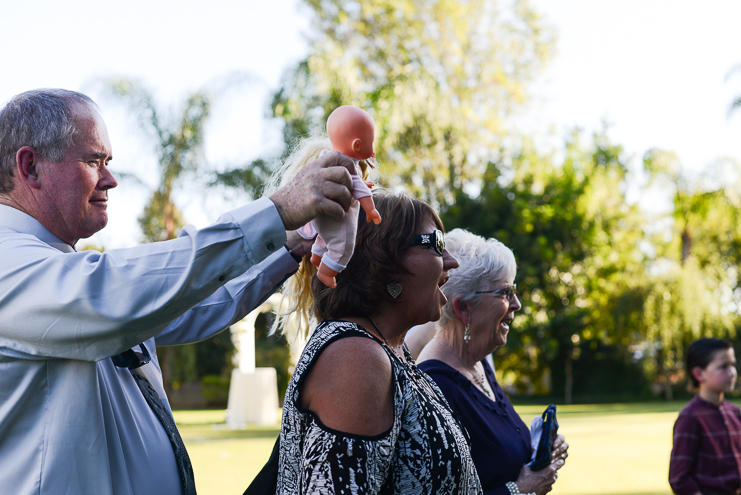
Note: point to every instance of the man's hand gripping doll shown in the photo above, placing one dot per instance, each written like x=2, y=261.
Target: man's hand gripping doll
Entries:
x=351, y=131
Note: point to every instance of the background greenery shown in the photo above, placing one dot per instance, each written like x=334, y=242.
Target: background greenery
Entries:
x=612, y=289
x=615, y=449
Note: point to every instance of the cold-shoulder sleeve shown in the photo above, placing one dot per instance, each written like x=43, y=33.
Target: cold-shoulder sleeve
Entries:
x=338, y=463
x=424, y=452
x=317, y=459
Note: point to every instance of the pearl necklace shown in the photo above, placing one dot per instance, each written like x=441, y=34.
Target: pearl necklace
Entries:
x=479, y=380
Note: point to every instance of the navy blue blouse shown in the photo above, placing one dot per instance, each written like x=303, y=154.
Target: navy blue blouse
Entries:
x=500, y=441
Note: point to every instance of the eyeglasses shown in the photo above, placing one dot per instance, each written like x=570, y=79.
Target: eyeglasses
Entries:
x=508, y=292
x=435, y=240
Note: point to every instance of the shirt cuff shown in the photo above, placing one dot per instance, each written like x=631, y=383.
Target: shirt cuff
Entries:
x=262, y=228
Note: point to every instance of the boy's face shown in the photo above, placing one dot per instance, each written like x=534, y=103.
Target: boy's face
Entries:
x=720, y=374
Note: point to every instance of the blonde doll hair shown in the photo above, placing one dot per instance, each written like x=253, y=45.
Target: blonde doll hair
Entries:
x=296, y=317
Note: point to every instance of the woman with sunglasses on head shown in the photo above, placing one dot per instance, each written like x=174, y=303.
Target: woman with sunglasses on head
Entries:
x=475, y=321
x=359, y=416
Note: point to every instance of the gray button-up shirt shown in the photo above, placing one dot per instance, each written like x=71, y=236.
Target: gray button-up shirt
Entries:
x=70, y=421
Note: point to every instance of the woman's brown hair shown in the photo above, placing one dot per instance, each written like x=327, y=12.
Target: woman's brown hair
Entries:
x=378, y=257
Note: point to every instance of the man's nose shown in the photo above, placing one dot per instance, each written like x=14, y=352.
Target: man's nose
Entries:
x=107, y=180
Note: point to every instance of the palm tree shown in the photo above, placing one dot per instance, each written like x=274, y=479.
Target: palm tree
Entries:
x=178, y=141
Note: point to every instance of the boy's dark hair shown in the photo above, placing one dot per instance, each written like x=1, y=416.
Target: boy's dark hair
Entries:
x=701, y=352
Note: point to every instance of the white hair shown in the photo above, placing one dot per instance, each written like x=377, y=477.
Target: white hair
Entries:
x=483, y=262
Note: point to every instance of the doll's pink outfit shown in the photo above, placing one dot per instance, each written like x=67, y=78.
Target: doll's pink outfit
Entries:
x=335, y=241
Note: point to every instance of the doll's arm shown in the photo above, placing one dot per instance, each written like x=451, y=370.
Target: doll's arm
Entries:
x=370, y=209
x=361, y=192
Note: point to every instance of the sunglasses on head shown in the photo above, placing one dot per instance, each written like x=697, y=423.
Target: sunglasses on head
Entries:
x=435, y=240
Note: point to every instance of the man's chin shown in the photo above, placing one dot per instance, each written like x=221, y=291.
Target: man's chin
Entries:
x=94, y=227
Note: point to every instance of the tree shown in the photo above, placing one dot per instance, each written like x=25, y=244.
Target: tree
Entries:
x=177, y=137
x=441, y=80
x=693, y=290
x=575, y=239
x=178, y=141
x=682, y=305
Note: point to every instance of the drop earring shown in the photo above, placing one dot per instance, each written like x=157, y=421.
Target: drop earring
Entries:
x=467, y=335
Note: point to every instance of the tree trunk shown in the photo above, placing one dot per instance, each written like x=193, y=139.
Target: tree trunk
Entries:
x=668, y=393
x=686, y=244
x=569, y=385
x=169, y=220
x=664, y=376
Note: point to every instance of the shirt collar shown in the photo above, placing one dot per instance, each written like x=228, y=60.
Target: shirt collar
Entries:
x=710, y=405
x=18, y=221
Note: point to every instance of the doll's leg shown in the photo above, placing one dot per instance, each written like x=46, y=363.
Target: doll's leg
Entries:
x=339, y=239
x=326, y=275
x=329, y=269
x=318, y=249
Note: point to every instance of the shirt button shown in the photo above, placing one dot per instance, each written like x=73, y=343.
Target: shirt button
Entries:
x=222, y=278
x=270, y=246
x=518, y=429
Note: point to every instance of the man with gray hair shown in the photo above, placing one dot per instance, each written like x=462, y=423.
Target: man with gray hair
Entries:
x=82, y=406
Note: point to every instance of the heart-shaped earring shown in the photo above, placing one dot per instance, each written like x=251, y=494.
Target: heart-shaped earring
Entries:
x=394, y=289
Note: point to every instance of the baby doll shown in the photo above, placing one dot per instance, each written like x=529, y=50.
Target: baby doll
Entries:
x=295, y=317
x=351, y=132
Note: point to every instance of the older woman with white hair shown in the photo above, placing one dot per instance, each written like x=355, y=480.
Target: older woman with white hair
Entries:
x=474, y=322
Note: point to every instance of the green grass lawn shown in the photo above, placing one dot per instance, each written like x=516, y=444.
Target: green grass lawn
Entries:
x=615, y=449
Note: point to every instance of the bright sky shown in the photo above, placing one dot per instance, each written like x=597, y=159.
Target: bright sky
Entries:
x=654, y=69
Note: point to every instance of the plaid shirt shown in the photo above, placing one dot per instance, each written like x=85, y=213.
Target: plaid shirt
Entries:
x=706, y=456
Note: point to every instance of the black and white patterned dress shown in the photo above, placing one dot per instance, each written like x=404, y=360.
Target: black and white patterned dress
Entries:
x=424, y=452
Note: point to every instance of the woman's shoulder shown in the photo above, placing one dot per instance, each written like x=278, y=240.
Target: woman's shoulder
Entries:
x=349, y=385
x=357, y=352
x=328, y=329
x=326, y=334
x=347, y=342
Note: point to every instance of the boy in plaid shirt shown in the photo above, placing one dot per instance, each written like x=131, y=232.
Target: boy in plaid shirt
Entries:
x=706, y=457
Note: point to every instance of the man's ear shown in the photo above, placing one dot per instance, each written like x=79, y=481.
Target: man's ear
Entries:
x=356, y=145
x=27, y=160
x=697, y=373
x=462, y=310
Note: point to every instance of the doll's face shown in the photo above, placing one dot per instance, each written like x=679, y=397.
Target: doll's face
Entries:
x=351, y=131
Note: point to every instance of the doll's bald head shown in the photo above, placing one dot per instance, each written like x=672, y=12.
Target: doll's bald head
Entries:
x=351, y=131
